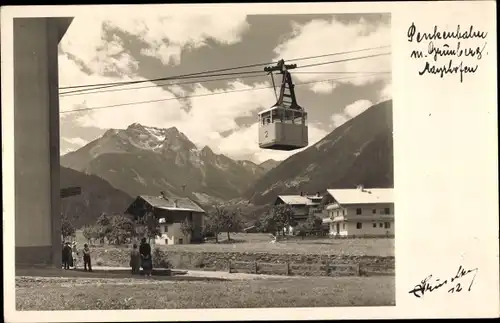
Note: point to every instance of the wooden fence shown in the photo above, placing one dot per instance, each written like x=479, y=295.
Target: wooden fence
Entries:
x=289, y=269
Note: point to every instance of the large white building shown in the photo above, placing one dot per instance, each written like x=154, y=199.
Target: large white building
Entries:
x=360, y=212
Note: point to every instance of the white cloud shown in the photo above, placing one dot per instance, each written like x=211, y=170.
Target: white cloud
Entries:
x=335, y=37
x=243, y=144
x=357, y=107
x=77, y=141
x=350, y=111
x=386, y=93
x=323, y=87
x=338, y=120
x=166, y=36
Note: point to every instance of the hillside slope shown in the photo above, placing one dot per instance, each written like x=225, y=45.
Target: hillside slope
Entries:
x=97, y=196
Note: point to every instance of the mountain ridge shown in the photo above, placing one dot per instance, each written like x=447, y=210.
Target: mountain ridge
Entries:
x=146, y=160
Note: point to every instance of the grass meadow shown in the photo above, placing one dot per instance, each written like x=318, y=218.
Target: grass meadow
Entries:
x=53, y=293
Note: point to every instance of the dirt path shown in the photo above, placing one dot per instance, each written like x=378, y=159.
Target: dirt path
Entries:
x=210, y=274
x=123, y=273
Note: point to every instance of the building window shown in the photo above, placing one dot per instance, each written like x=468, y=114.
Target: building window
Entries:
x=374, y=225
x=387, y=225
x=166, y=241
x=344, y=212
x=359, y=225
x=381, y=225
x=180, y=241
x=387, y=210
x=374, y=211
x=343, y=226
x=358, y=211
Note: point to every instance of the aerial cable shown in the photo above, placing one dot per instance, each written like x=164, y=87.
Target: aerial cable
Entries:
x=343, y=60
x=143, y=81
x=201, y=95
x=210, y=71
x=95, y=91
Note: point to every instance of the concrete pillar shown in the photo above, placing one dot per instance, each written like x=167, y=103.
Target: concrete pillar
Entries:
x=36, y=133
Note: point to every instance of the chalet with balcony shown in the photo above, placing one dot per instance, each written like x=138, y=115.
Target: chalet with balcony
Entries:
x=171, y=213
x=360, y=212
x=302, y=206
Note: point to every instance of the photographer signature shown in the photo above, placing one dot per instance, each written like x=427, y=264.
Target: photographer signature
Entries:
x=454, y=286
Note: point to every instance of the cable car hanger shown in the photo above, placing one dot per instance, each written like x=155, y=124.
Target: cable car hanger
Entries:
x=286, y=84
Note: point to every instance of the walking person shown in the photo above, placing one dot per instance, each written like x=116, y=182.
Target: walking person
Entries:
x=87, y=264
x=146, y=261
x=135, y=259
x=66, y=253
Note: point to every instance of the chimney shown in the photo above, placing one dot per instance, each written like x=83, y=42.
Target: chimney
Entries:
x=360, y=187
x=317, y=194
x=163, y=195
x=175, y=203
x=301, y=193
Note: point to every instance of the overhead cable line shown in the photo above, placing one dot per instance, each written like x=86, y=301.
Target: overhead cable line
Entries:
x=339, y=72
x=211, y=71
x=161, y=85
x=72, y=93
x=342, y=60
x=84, y=91
x=202, y=95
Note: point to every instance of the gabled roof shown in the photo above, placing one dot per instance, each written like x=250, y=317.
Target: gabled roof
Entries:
x=172, y=204
x=300, y=199
x=362, y=196
x=294, y=199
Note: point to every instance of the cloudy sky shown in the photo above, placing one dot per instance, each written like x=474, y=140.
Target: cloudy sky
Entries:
x=103, y=48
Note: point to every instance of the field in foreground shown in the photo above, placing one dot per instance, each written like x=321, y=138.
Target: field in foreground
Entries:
x=100, y=294
x=260, y=243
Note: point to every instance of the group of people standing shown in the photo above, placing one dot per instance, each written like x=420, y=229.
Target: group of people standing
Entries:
x=70, y=256
x=141, y=257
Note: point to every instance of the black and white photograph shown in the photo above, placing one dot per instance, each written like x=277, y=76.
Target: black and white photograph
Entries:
x=201, y=153
x=179, y=159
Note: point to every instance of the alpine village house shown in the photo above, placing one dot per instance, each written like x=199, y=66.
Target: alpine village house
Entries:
x=170, y=213
x=302, y=206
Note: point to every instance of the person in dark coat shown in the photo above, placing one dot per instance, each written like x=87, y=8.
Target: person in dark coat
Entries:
x=146, y=261
x=135, y=259
x=66, y=255
x=87, y=264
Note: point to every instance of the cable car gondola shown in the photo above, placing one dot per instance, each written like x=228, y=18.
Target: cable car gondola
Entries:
x=284, y=125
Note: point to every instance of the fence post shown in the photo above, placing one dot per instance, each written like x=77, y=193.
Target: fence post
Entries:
x=288, y=268
x=229, y=266
x=357, y=269
x=255, y=264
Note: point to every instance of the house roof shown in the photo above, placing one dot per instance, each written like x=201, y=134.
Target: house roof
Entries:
x=300, y=199
x=362, y=196
x=294, y=199
x=183, y=204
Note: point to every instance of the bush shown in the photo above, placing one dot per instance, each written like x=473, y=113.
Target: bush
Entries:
x=198, y=261
x=160, y=259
